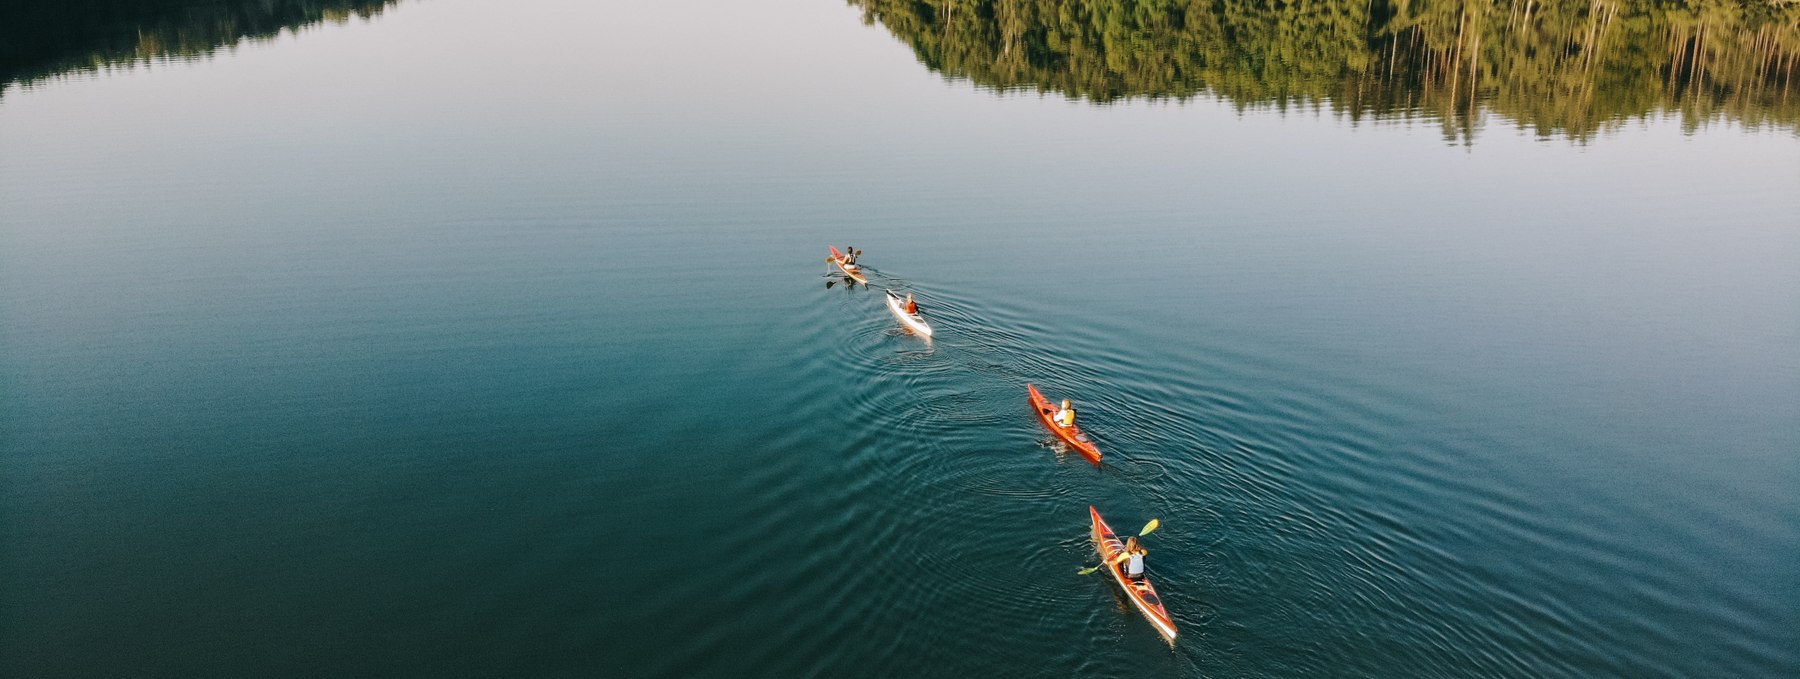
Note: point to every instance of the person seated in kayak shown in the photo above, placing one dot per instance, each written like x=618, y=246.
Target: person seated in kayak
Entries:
x=1134, y=558
x=850, y=258
x=1065, y=417
x=911, y=306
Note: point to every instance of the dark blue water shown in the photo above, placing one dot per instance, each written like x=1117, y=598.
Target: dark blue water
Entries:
x=482, y=340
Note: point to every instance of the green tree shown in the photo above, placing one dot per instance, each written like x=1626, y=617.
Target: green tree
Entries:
x=50, y=38
x=1568, y=67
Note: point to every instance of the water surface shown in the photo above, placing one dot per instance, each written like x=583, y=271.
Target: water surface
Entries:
x=479, y=339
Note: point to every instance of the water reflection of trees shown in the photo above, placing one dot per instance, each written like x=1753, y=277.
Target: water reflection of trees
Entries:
x=1571, y=67
x=46, y=38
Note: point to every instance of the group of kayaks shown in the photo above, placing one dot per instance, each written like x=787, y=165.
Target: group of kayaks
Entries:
x=1107, y=544
x=911, y=319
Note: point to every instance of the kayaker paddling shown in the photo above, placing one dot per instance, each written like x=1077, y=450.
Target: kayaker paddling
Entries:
x=846, y=261
x=1134, y=558
x=1061, y=421
x=1124, y=562
x=907, y=310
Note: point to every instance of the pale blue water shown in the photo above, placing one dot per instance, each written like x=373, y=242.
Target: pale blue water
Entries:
x=495, y=340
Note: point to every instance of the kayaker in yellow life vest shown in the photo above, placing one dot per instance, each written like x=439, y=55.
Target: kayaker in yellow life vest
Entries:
x=911, y=306
x=1065, y=417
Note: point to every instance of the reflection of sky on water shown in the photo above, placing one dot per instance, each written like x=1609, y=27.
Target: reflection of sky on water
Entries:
x=673, y=102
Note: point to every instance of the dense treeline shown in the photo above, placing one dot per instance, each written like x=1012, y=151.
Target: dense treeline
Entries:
x=1558, y=66
x=44, y=38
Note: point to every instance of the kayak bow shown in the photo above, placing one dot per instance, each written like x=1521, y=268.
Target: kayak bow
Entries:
x=1143, y=595
x=914, y=322
x=1073, y=435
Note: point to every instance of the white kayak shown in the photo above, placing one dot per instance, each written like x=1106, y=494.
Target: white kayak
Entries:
x=913, y=322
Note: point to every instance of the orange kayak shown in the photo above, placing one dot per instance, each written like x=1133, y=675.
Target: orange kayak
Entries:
x=854, y=272
x=1143, y=596
x=1047, y=413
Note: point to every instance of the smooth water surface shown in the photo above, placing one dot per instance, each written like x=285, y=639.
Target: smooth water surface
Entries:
x=494, y=339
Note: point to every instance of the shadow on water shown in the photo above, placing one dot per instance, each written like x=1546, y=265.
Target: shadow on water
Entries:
x=1569, y=69
x=42, y=39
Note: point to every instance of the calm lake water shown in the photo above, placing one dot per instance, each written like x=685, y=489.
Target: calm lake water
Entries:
x=468, y=338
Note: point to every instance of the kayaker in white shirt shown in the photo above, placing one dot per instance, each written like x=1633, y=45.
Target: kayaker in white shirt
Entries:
x=1134, y=558
x=1065, y=417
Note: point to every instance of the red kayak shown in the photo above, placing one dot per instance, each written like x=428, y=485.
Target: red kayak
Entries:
x=1047, y=413
x=851, y=270
x=1143, y=596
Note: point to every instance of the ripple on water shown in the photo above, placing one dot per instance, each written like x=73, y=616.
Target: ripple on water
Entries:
x=1308, y=512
